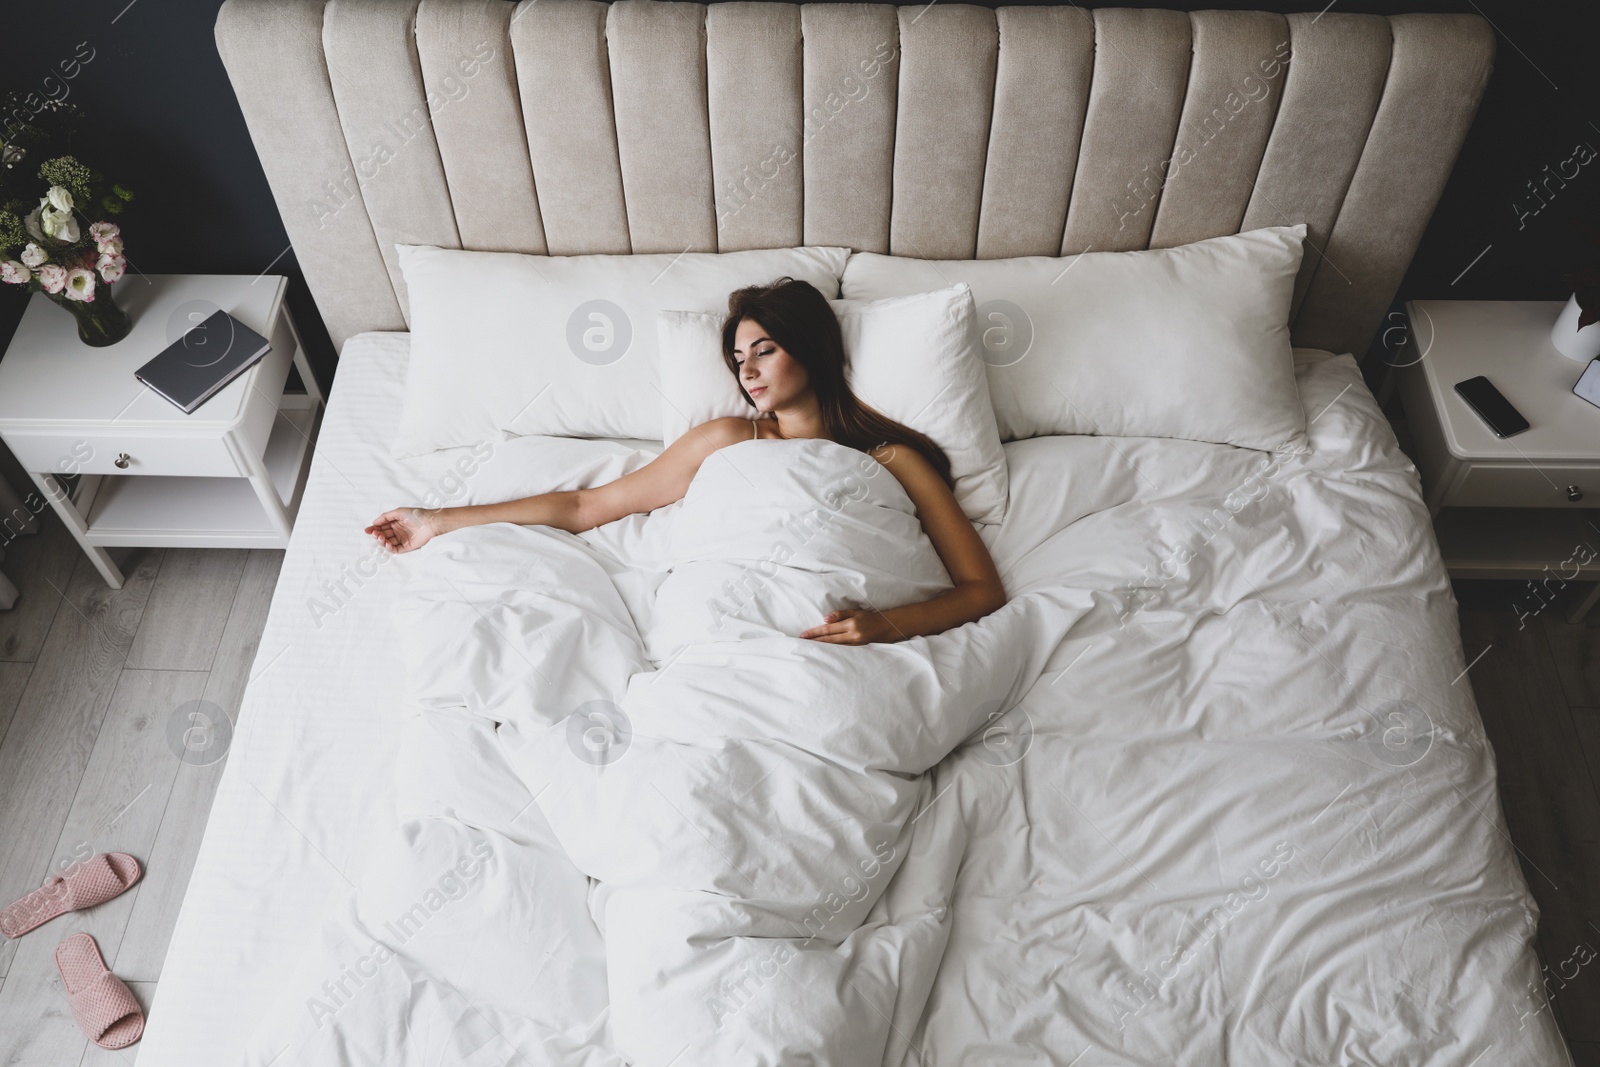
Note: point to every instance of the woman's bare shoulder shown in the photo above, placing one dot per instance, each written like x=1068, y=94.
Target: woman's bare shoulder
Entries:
x=904, y=462
x=719, y=433
x=666, y=477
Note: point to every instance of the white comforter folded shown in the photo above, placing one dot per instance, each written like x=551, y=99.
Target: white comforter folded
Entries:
x=744, y=807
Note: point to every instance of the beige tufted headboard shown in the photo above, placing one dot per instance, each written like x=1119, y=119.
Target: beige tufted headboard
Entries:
x=937, y=131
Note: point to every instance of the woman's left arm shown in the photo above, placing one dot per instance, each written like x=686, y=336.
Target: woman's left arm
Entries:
x=978, y=589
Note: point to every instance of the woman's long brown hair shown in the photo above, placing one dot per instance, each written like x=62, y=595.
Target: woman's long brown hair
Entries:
x=797, y=316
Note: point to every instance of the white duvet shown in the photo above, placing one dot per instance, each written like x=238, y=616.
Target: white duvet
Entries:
x=744, y=802
x=1211, y=789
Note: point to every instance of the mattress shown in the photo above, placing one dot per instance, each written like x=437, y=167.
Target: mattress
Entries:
x=1248, y=814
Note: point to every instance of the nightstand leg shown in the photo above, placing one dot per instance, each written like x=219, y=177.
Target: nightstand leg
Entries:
x=267, y=493
x=303, y=365
x=73, y=521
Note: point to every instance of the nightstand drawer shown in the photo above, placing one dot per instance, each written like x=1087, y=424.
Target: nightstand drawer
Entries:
x=94, y=454
x=1524, y=485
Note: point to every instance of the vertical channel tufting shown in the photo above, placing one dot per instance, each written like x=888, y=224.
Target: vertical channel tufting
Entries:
x=626, y=125
x=471, y=83
x=1235, y=84
x=288, y=105
x=1141, y=69
x=1041, y=93
x=372, y=65
x=1330, y=93
x=658, y=87
x=948, y=57
x=564, y=80
x=1437, y=74
x=755, y=104
x=852, y=70
x=1141, y=66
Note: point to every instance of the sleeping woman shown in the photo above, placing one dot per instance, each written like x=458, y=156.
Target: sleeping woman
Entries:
x=783, y=344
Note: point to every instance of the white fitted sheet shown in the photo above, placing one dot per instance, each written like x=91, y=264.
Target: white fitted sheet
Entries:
x=1209, y=722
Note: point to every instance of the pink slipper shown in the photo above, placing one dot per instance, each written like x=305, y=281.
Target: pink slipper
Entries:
x=101, y=1002
x=94, y=881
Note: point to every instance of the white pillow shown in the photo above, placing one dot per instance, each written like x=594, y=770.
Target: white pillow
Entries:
x=1189, y=342
x=561, y=345
x=912, y=358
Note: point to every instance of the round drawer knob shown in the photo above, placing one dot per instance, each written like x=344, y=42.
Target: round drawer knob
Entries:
x=1574, y=494
x=123, y=459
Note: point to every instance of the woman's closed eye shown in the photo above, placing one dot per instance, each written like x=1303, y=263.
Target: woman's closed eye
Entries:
x=739, y=365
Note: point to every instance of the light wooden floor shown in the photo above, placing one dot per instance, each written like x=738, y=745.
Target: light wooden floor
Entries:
x=89, y=678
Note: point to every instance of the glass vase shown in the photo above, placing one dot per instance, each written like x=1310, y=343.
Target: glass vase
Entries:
x=100, y=321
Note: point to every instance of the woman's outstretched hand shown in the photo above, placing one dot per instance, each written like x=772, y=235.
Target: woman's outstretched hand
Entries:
x=853, y=626
x=404, y=529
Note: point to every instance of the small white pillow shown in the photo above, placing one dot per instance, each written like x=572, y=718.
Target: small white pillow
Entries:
x=1189, y=342
x=912, y=358
x=559, y=345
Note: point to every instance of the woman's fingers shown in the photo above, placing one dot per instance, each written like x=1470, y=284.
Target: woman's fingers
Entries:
x=392, y=530
x=832, y=622
x=387, y=535
x=833, y=617
x=840, y=632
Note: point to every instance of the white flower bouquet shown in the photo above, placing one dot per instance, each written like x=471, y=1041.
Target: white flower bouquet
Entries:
x=50, y=248
x=54, y=247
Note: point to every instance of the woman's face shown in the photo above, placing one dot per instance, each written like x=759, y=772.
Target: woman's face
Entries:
x=773, y=378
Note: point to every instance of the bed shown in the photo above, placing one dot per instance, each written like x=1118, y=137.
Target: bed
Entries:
x=1246, y=815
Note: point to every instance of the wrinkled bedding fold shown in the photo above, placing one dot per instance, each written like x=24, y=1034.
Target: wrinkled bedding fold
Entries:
x=1210, y=789
x=743, y=803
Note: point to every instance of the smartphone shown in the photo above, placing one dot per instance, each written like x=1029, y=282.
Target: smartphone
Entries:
x=1588, y=385
x=1492, y=407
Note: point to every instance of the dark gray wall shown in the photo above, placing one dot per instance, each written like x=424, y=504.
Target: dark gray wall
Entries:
x=172, y=131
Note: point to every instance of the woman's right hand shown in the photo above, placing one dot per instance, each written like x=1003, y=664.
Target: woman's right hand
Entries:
x=405, y=529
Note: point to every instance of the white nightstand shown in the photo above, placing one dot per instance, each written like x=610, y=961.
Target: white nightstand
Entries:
x=1518, y=507
x=229, y=475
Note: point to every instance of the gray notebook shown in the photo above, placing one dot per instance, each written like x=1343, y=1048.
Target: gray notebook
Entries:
x=212, y=354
